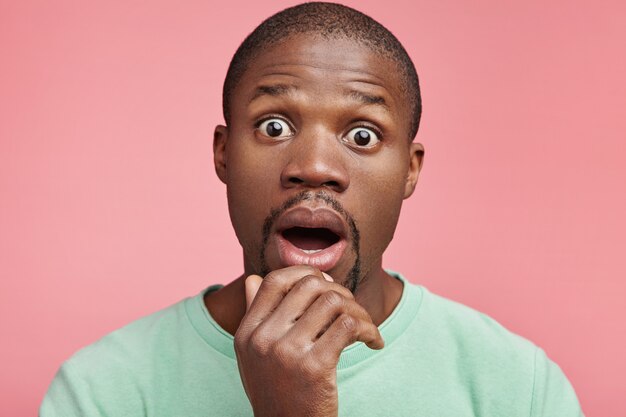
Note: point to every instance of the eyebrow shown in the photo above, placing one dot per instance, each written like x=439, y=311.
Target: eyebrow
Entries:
x=273, y=90
x=276, y=90
x=368, y=98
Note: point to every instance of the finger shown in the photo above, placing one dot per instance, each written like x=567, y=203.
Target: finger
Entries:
x=324, y=311
x=252, y=284
x=304, y=293
x=273, y=289
x=299, y=299
x=344, y=331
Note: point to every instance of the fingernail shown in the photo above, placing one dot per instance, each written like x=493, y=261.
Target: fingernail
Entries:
x=251, y=284
x=327, y=277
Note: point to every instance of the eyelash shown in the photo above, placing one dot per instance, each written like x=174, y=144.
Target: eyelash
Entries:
x=259, y=122
x=375, y=129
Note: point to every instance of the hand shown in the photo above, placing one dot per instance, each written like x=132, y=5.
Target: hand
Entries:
x=288, y=343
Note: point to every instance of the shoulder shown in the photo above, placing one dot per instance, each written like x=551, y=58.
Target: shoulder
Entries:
x=129, y=344
x=134, y=351
x=472, y=346
x=474, y=331
x=491, y=359
x=107, y=374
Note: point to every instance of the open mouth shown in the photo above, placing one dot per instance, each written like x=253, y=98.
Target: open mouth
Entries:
x=311, y=236
x=311, y=240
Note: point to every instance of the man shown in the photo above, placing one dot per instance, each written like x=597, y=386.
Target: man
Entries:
x=321, y=106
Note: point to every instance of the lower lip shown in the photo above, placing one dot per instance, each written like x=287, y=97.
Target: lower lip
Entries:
x=323, y=260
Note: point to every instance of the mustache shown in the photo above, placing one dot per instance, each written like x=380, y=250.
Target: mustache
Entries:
x=307, y=196
x=353, y=275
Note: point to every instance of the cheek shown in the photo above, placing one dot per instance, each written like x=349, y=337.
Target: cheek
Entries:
x=379, y=208
x=249, y=188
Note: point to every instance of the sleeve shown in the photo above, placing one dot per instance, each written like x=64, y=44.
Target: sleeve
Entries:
x=68, y=396
x=553, y=394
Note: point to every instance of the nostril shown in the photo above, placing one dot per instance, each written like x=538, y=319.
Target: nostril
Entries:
x=296, y=180
x=331, y=184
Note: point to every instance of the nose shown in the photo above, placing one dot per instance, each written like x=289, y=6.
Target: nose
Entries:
x=315, y=161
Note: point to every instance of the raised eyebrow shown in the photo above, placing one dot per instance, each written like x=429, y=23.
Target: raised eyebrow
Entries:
x=273, y=90
x=368, y=98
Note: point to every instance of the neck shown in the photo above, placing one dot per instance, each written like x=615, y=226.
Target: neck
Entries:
x=378, y=293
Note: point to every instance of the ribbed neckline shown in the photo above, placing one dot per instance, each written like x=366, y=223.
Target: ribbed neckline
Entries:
x=397, y=322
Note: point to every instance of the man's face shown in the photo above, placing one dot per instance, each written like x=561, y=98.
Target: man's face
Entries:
x=316, y=157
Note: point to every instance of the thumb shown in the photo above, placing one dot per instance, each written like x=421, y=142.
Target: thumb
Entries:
x=253, y=282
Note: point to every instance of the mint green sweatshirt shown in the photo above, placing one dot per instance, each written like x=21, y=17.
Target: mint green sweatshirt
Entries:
x=441, y=359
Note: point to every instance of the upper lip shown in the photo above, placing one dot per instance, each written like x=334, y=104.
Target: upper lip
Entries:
x=312, y=217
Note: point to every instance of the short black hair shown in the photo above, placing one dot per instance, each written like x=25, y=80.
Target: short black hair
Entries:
x=328, y=20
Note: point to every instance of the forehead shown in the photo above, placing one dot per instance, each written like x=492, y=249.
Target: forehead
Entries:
x=312, y=63
x=329, y=52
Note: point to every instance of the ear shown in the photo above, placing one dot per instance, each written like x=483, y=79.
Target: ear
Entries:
x=220, y=137
x=416, y=158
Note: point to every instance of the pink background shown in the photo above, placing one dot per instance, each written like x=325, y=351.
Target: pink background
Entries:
x=110, y=208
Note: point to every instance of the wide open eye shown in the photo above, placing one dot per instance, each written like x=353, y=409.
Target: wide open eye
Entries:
x=362, y=137
x=275, y=128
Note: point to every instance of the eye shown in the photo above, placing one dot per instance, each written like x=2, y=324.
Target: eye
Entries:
x=275, y=128
x=362, y=137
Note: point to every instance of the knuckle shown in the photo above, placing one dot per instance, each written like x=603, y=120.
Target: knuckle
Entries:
x=310, y=282
x=345, y=292
x=259, y=343
x=274, y=278
x=282, y=352
x=240, y=342
x=333, y=299
x=311, y=366
x=348, y=322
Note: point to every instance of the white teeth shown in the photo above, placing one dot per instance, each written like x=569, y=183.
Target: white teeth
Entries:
x=309, y=251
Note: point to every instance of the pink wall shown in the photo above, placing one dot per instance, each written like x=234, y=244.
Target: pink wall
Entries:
x=109, y=207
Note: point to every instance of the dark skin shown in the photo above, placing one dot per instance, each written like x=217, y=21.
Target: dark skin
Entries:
x=291, y=325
